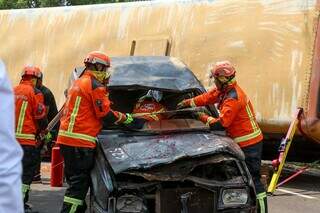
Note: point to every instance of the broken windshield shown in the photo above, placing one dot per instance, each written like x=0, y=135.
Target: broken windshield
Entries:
x=173, y=125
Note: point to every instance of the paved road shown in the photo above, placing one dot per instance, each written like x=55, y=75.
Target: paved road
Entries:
x=302, y=195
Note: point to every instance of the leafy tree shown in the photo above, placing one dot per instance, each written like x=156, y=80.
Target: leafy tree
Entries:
x=15, y=4
x=51, y=3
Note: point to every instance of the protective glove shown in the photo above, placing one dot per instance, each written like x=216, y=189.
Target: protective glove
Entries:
x=48, y=138
x=129, y=119
x=183, y=104
x=137, y=123
x=205, y=118
x=200, y=115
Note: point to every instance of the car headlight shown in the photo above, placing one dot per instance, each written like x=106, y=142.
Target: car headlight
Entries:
x=234, y=196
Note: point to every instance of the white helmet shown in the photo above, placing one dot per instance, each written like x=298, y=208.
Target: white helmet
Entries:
x=155, y=94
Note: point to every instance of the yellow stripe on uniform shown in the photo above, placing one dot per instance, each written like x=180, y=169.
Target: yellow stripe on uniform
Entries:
x=77, y=136
x=74, y=113
x=253, y=123
x=256, y=130
x=25, y=189
x=75, y=203
x=260, y=198
x=22, y=116
x=25, y=136
x=247, y=137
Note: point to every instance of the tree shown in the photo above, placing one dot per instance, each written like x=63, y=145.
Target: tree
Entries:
x=15, y=4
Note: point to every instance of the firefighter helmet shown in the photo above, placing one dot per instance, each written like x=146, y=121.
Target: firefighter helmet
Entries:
x=154, y=94
x=97, y=57
x=31, y=71
x=223, y=69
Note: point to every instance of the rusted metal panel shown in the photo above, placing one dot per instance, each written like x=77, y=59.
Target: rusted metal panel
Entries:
x=310, y=118
x=271, y=44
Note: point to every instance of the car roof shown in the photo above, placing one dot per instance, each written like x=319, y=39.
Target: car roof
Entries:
x=158, y=72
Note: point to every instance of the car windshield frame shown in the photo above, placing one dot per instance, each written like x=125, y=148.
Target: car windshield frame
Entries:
x=173, y=125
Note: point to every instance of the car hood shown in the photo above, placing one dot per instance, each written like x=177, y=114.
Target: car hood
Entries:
x=126, y=151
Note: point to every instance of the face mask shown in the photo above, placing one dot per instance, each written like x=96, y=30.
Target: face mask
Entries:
x=100, y=76
x=222, y=82
x=218, y=84
x=34, y=81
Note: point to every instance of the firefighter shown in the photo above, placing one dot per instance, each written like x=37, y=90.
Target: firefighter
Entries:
x=86, y=107
x=237, y=117
x=30, y=122
x=149, y=103
x=51, y=108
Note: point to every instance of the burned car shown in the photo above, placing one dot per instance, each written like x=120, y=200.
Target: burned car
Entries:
x=175, y=165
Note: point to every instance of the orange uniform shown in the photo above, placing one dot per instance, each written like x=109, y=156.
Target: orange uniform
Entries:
x=149, y=106
x=87, y=104
x=30, y=109
x=236, y=114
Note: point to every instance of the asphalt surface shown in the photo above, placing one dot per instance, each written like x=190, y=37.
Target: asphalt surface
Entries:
x=301, y=195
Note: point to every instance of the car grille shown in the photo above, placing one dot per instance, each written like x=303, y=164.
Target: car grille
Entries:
x=185, y=200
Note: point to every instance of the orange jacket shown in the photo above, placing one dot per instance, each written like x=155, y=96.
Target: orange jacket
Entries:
x=87, y=104
x=29, y=109
x=236, y=114
x=148, y=106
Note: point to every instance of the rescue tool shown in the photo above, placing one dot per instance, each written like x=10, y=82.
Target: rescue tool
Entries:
x=171, y=112
x=284, y=147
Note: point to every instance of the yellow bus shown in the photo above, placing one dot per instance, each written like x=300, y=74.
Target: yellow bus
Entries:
x=274, y=45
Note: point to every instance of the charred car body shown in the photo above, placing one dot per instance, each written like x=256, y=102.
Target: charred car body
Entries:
x=177, y=165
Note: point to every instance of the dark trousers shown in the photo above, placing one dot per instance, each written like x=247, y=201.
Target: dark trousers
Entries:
x=253, y=161
x=78, y=164
x=30, y=161
x=37, y=174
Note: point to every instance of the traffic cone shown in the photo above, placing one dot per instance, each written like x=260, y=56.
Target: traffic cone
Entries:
x=56, y=167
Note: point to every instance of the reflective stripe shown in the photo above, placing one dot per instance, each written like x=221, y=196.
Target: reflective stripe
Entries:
x=260, y=198
x=74, y=113
x=73, y=116
x=77, y=136
x=247, y=137
x=22, y=116
x=154, y=117
x=75, y=203
x=209, y=119
x=25, y=136
x=256, y=130
x=261, y=195
x=192, y=103
x=25, y=189
x=251, y=117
